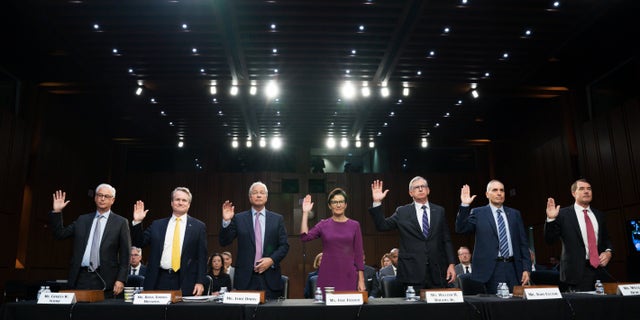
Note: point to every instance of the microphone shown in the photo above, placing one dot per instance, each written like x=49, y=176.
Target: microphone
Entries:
x=95, y=270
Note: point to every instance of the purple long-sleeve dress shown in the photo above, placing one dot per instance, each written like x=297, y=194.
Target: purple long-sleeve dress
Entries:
x=342, y=253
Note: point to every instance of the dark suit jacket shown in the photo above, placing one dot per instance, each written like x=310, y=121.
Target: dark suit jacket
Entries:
x=460, y=269
x=141, y=272
x=371, y=281
x=275, y=246
x=566, y=228
x=115, y=246
x=193, y=259
x=485, y=251
x=415, y=250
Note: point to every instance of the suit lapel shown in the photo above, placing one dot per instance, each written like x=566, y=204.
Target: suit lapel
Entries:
x=491, y=219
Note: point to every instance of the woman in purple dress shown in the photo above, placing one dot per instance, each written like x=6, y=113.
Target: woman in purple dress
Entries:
x=342, y=252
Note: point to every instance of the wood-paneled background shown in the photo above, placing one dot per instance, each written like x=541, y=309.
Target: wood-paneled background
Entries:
x=552, y=145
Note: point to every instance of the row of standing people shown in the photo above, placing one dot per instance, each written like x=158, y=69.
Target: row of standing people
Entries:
x=178, y=258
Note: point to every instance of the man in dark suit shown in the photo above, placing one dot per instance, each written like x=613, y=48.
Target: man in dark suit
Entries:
x=582, y=261
x=104, y=231
x=426, y=257
x=257, y=266
x=464, y=256
x=136, y=267
x=178, y=258
x=492, y=262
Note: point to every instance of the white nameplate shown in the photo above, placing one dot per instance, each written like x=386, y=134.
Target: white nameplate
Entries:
x=444, y=296
x=542, y=293
x=343, y=299
x=152, y=298
x=57, y=298
x=629, y=289
x=241, y=297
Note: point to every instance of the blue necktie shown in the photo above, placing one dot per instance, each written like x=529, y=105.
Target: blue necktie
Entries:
x=425, y=222
x=94, y=254
x=502, y=236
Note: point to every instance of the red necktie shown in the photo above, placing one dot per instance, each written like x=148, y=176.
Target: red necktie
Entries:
x=592, y=243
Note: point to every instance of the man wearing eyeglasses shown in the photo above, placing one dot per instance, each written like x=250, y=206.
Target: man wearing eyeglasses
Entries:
x=136, y=266
x=262, y=243
x=101, y=243
x=426, y=258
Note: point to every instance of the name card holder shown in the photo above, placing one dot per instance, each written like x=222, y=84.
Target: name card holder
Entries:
x=158, y=297
x=538, y=292
x=243, y=297
x=57, y=298
x=442, y=295
x=622, y=288
x=86, y=295
x=346, y=298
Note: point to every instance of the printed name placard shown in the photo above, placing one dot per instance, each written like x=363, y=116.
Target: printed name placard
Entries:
x=344, y=299
x=234, y=297
x=444, y=296
x=57, y=298
x=152, y=298
x=542, y=293
x=629, y=289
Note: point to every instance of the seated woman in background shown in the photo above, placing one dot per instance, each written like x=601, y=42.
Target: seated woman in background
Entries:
x=220, y=278
x=308, y=288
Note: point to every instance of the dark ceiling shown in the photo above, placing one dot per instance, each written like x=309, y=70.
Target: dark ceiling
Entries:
x=176, y=49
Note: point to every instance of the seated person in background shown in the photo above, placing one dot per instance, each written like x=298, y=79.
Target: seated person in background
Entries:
x=220, y=278
x=371, y=279
x=534, y=265
x=554, y=263
x=464, y=256
x=390, y=270
x=308, y=288
x=135, y=263
x=228, y=268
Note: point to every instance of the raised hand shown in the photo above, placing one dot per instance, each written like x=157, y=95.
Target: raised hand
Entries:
x=376, y=191
x=59, y=201
x=307, y=205
x=465, y=195
x=227, y=210
x=139, y=213
x=552, y=209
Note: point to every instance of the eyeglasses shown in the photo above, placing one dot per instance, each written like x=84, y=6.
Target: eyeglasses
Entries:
x=106, y=196
x=334, y=202
x=422, y=186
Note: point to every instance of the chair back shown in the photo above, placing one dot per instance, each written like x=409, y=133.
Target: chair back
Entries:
x=208, y=285
x=469, y=286
x=134, y=280
x=391, y=288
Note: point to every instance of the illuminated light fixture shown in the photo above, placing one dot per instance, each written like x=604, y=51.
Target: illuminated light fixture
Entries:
x=331, y=143
x=130, y=70
x=436, y=125
x=348, y=90
x=234, y=90
x=384, y=91
x=162, y=113
x=447, y=115
x=171, y=123
x=366, y=91
x=213, y=90
x=487, y=74
x=418, y=73
x=353, y=52
x=361, y=28
x=273, y=26
x=249, y=144
x=185, y=26
x=527, y=33
x=475, y=94
x=138, y=91
x=446, y=30
x=96, y=27
x=180, y=144
x=431, y=54
x=234, y=143
x=344, y=143
x=263, y=142
x=114, y=50
x=405, y=92
x=372, y=144
x=253, y=90
x=504, y=56
x=202, y=70
x=272, y=90
x=276, y=143
x=424, y=143
x=275, y=70
x=274, y=51
x=358, y=143
x=194, y=50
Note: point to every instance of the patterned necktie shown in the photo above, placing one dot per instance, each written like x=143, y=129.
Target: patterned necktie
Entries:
x=425, y=221
x=502, y=236
x=175, y=247
x=466, y=269
x=94, y=254
x=591, y=241
x=258, y=232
